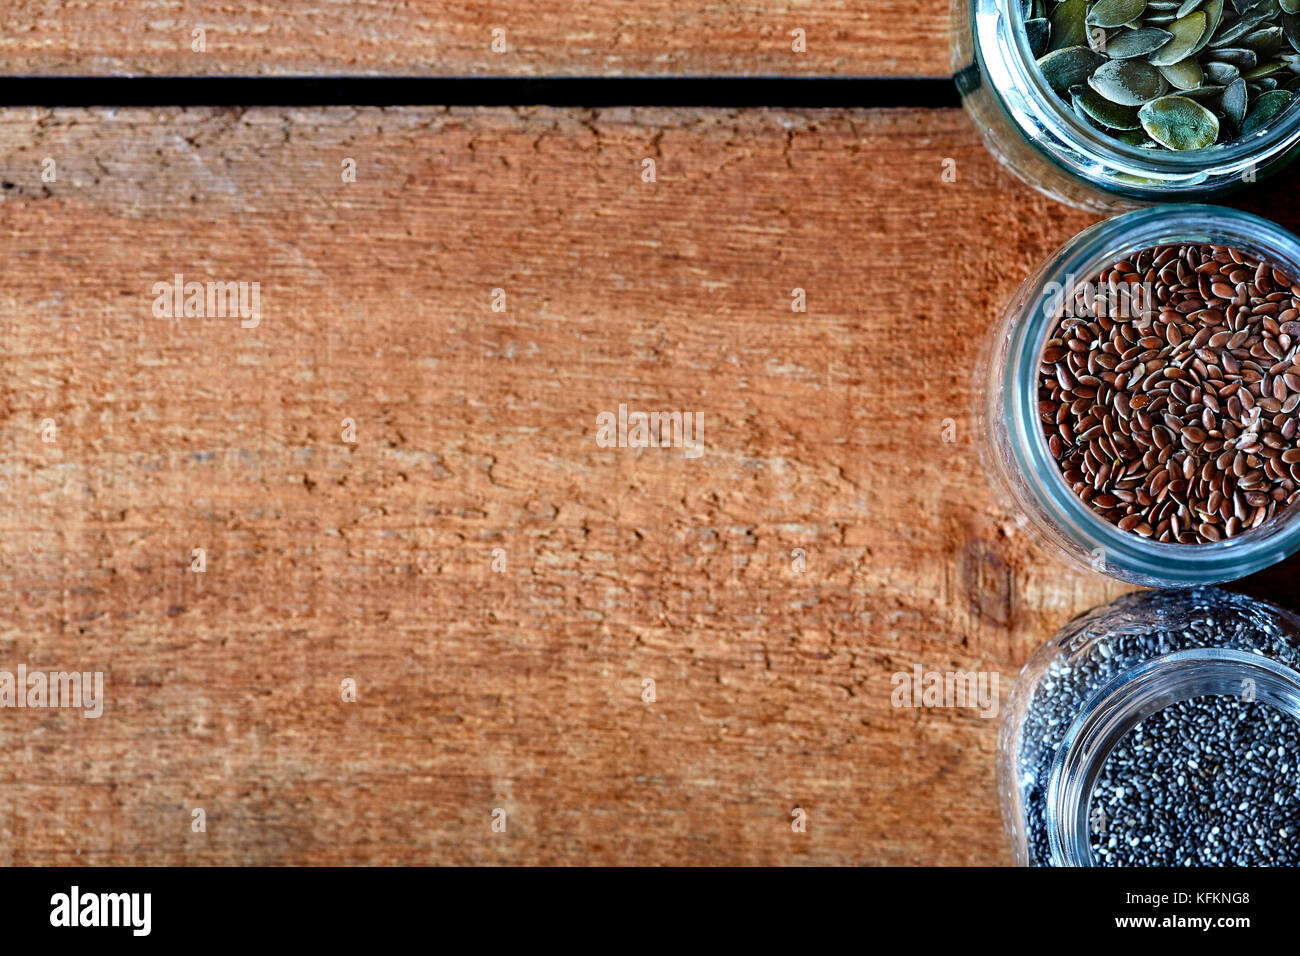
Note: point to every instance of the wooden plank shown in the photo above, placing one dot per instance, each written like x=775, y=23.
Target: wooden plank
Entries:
x=476, y=430
x=656, y=37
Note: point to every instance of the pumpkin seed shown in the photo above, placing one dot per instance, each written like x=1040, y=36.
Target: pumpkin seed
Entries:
x=1106, y=112
x=1193, y=70
x=1240, y=58
x=1088, y=121
x=1187, y=33
x=1063, y=69
x=1264, y=70
x=1068, y=24
x=1231, y=34
x=1291, y=28
x=1268, y=8
x=1266, y=42
x=1133, y=137
x=1129, y=82
x=1039, y=33
x=1265, y=109
x=1077, y=106
x=1177, y=122
x=1234, y=103
x=1213, y=17
x=1140, y=42
x=1115, y=13
x=1221, y=73
x=1183, y=75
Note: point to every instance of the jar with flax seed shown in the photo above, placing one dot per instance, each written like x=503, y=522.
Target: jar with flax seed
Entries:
x=1140, y=397
x=1039, y=77
x=1158, y=730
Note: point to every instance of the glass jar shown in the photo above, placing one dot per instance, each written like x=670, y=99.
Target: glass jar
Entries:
x=1110, y=668
x=1012, y=447
x=1032, y=132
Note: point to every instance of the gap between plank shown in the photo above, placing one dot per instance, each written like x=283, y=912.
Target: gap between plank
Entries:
x=756, y=92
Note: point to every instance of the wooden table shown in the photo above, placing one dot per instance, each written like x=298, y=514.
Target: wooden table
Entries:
x=518, y=688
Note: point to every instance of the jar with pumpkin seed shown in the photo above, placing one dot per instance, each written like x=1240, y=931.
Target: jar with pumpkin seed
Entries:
x=1116, y=103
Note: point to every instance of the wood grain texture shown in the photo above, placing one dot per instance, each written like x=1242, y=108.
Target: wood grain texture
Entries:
x=476, y=431
x=657, y=37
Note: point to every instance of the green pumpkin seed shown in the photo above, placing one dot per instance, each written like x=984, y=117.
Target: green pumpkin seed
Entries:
x=1177, y=122
x=1140, y=42
x=1197, y=69
x=1039, y=33
x=1087, y=120
x=1264, y=70
x=1063, y=69
x=1187, y=33
x=1129, y=82
x=1266, y=42
x=1133, y=137
x=1221, y=73
x=1108, y=114
x=1068, y=26
x=1183, y=75
x=1265, y=109
x=1234, y=102
x=1240, y=58
x=1115, y=13
x=1231, y=34
x=1213, y=17
x=1291, y=29
x=1267, y=8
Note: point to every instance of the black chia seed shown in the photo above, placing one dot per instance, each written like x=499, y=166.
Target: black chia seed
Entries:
x=1102, y=645
x=1210, y=781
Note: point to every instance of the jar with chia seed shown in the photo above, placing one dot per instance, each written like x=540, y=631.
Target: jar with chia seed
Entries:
x=1160, y=729
x=1049, y=129
x=1140, y=397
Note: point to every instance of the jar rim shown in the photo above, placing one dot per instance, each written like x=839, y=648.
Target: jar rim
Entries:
x=1079, y=147
x=1113, y=550
x=1127, y=699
